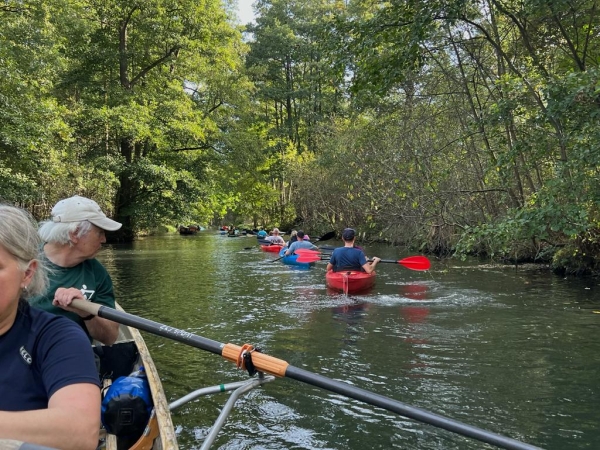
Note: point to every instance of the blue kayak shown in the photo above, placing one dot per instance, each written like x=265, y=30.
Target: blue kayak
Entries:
x=291, y=259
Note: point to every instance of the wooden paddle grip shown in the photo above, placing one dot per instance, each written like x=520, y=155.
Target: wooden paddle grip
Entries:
x=262, y=362
x=87, y=306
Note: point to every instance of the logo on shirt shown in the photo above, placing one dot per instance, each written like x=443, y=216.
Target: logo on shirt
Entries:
x=25, y=355
x=87, y=293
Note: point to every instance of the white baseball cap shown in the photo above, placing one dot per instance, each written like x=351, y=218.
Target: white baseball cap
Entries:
x=78, y=209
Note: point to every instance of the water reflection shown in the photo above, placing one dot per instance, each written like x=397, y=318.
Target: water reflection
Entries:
x=414, y=313
x=351, y=315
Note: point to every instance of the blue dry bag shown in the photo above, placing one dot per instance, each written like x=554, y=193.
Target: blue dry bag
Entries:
x=127, y=405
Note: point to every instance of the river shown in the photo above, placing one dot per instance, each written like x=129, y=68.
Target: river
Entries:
x=513, y=351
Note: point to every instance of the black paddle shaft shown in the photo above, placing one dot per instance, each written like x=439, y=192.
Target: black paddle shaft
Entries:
x=405, y=410
x=161, y=330
x=326, y=236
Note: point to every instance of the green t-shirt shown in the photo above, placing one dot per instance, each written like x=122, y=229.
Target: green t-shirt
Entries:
x=90, y=277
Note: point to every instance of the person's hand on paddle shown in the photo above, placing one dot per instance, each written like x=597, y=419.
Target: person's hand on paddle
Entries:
x=63, y=297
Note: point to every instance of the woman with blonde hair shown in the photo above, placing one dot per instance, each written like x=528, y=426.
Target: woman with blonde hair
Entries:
x=293, y=238
x=49, y=386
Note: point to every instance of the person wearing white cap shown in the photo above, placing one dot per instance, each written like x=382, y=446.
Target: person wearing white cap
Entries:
x=72, y=238
x=275, y=238
x=350, y=257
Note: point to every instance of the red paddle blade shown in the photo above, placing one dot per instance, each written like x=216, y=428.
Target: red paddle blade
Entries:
x=303, y=251
x=416, y=263
x=308, y=258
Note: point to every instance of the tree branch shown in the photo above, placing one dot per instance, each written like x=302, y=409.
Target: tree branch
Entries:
x=200, y=147
x=154, y=64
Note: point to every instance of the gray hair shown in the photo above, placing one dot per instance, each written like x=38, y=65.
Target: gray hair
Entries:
x=60, y=232
x=18, y=235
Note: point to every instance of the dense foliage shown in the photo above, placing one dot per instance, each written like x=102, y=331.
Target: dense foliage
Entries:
x=449, y=126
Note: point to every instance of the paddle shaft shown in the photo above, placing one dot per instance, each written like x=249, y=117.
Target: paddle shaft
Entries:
x=406, y=410
x=277, y=367
x=326, y=236
x=148, y=325
x=277, y=259
x=412, y=262
x=325, y=257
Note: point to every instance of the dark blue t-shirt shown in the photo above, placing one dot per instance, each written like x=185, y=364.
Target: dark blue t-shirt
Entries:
x=39, y=355
x=347, y=258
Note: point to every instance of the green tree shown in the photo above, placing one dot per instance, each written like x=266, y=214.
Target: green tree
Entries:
x=148, y=86
x=33, y=132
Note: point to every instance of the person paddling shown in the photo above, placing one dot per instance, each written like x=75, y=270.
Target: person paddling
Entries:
x=300, y=243
x=349, y=257
x=72, y=239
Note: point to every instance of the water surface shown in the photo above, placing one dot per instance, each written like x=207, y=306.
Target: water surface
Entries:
x=512, y=351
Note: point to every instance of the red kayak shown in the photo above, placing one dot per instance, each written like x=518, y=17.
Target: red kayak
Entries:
x=350, y=281
x=273, y=248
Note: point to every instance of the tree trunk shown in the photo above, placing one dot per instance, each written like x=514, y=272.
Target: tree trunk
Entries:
x=124, y=197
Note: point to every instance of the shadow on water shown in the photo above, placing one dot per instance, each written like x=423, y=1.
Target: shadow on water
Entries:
x=509, y=351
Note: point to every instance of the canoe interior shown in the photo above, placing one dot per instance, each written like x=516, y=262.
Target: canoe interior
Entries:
x=120, y=359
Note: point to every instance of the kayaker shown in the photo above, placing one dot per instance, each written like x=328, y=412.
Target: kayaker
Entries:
x=72, y=238
x=261, y=234
x=275, y=239
x=49, y=385
x=349, y=257
x=300, y=243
